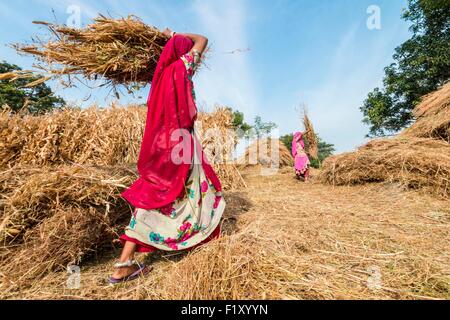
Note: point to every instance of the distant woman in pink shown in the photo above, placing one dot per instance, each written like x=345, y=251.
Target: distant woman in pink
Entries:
x=301, y=160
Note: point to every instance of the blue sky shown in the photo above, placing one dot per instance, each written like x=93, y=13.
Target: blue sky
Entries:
x=319, y=53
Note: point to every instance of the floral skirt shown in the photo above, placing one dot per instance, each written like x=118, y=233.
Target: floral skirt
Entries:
x=189, y=221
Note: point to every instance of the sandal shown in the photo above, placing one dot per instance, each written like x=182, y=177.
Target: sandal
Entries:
x=142, y=270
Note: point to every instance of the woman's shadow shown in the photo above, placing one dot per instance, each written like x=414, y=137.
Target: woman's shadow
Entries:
x=237, y=204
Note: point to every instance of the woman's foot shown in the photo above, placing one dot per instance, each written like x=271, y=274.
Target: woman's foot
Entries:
x=124, y=272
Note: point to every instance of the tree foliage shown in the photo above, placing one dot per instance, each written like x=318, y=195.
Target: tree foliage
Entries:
x=38, y=99
x=421, y=65
x=239, y=123
x=262, y=128
x=247, y=131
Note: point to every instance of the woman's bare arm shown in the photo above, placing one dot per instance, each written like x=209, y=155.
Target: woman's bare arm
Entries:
x=200, y=42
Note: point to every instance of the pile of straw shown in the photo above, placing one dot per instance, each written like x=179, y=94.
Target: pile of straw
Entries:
x=261, y=153
x=108, y=137
x=53, y=216
x=433, y=116
x=418, y=158
x=415, y=163
x=61, y=176
x=30, y=193
x=122, y=51
x=219, y=140
x=91, y=136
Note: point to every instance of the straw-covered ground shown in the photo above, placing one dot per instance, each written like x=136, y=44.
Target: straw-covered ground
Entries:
x=289, y=240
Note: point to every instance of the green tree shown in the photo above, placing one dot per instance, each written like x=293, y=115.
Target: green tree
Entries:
x=261, y=128
x=422, y=64
x=325, y=149
x=38, y=99
x=247, y=131
x=240, y=124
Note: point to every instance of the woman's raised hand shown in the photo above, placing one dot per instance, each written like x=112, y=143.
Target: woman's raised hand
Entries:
x=200, y=42
x=168, y=33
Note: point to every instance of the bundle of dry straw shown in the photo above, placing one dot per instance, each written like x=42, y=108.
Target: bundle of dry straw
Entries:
x=310, y=137
x=418, y=158
x=123, y=51
x=262, y=152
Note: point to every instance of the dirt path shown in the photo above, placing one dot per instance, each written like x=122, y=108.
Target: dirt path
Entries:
x=310, y=241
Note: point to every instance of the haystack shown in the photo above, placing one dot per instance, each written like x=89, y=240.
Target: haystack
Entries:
x=262, y=153
x=433, y=116
x=90, y=136
x=219, y=140
x=53, y=216
x=121, y=51
x=418, y=158
x=108, y=137
x=415, y=163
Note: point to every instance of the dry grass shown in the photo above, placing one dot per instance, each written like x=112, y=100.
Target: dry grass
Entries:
x=30, y=194
x=412, y=162
x=108, y=137
x=433, y=116
x=91, y=136
x=53, y=216
x=219, y=139
x=313, y=242
x=21, y=74
x=122, y=51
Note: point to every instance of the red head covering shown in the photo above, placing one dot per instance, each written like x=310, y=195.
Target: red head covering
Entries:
x=171, y=110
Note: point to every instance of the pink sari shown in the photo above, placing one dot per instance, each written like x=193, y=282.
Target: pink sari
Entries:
x=301, y=160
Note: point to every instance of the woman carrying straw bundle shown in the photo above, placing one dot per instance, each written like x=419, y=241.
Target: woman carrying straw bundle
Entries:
x=301, y=160
x=177, y=199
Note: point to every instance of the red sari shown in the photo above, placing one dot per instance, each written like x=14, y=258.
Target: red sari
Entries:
x=171, y=110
